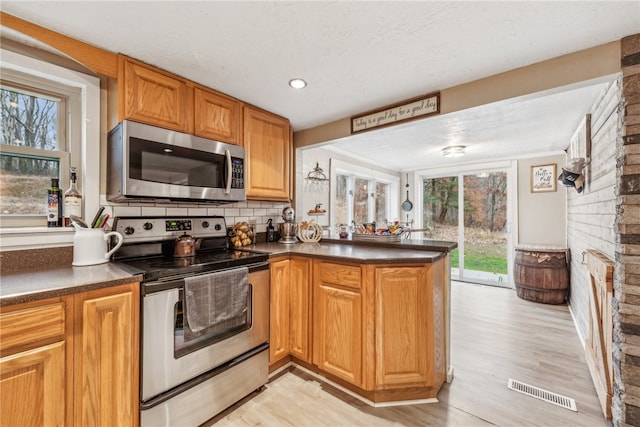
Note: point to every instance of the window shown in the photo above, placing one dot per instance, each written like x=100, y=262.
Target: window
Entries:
x=50, y=121
x=33, y=149
x=362, y=195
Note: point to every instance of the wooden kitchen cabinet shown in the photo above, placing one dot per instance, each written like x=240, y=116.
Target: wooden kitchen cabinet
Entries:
x=401, y=327
x=338, y=321
x=290, y=333
x=106, y=357
x=267, y=142
x=279, y=310
x=300, y=308
x=150, y=95
x=71, y=360
x=217, y=116
x=36, y=363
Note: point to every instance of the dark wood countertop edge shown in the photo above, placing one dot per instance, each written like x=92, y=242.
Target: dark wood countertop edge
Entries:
x=58, y=292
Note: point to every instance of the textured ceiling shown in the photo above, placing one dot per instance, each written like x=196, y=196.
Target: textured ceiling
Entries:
x=356, y=56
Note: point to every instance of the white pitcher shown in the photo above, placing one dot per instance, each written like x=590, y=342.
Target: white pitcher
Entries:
x=90, y=246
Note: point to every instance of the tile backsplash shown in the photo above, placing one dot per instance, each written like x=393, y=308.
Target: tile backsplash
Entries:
x=233, y=212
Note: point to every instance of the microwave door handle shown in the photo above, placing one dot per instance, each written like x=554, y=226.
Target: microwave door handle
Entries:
x=227, y=154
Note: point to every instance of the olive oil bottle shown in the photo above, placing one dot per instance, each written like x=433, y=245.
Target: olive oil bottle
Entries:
x=54, y=204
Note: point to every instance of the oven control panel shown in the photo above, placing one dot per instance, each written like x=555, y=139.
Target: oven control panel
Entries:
x=178, y=224
x=137, y=229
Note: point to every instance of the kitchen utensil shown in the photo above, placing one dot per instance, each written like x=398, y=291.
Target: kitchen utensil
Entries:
x=407, y=205
x=90, y=245
x=186, y=246
x=78, y=221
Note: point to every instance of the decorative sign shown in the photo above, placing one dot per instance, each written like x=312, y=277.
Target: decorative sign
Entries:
x=411, y=109
x=543, y=178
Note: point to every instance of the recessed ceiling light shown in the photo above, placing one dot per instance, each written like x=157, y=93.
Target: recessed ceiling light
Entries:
x=297, y=83
x=453, y=151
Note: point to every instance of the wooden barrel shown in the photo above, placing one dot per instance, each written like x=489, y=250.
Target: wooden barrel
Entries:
x=541, y=275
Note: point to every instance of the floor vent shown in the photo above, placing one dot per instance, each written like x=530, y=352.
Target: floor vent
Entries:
x=542, y=394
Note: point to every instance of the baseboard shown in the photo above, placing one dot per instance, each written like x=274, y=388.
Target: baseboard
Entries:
x=575, y=324
x=360, y=398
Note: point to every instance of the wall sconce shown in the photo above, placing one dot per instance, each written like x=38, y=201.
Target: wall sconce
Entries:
x=453, y=151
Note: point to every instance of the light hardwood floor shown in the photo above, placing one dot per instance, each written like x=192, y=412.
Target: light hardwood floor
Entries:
x=494, y=336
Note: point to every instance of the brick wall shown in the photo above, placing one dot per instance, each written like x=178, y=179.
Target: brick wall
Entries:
x=626, y=399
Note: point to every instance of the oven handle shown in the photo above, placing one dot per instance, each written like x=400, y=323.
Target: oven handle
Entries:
x=160, y=285
x=227, y=189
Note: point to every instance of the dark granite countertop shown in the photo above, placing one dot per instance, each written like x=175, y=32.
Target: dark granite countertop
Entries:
x=20, y=286
x=29, y=282
x=360, y=252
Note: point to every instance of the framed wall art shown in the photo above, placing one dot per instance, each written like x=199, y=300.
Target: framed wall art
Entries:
x=543, y=178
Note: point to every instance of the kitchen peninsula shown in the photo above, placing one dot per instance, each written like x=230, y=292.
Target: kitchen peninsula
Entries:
x=371, y=318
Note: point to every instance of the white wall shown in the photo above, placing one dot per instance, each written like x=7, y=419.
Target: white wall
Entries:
x=542, y=217
x=591, y=214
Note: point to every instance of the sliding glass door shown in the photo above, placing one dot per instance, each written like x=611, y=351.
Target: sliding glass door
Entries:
x=470, y=209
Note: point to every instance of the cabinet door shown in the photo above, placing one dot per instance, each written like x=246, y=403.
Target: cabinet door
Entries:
x=33, y=387
x=152, y=96
x=36, y=366
x=299, y=291
x=268, y=152
x=402, y=338
x=106, y=357
x=337, y=332
x=217, y=116
x=279, y=311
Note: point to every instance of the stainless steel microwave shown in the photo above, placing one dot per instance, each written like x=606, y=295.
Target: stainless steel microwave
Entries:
x=148, y=163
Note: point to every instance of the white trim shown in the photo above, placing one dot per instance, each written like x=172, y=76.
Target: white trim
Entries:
x=583, y=339
x=89, y=88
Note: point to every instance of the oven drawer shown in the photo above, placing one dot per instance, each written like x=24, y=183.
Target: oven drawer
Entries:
x=203, y=401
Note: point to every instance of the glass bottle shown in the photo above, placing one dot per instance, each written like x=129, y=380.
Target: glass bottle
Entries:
x=72, y=200
x=54, y=204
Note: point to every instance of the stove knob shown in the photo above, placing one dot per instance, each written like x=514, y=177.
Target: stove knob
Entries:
x=218, y=227
x=147, y=226
x=205, y=224
x=128, y=231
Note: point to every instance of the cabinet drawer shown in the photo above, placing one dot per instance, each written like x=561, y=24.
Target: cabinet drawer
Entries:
x=31, y=326
x=340, y=274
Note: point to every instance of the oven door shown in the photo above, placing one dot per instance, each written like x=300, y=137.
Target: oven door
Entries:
x=168, y=361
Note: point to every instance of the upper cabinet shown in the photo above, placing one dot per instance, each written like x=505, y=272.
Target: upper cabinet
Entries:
x=217, y=116
x=267, y=141
x=152, y=96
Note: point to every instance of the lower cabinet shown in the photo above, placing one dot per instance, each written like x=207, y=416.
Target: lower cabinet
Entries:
x=36, y=363
x=401, y=324
x=290, y=310
x=106, y=357
x=279, y=310
x=378, y=329
x=338, y=332
x=300, y=308
x=71, y=360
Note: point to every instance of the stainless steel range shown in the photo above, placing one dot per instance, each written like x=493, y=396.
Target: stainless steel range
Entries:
x=204, y=317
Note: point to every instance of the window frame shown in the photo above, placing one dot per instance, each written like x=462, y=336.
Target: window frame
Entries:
x=42, y=88
x=372, y=176
x=83, y=135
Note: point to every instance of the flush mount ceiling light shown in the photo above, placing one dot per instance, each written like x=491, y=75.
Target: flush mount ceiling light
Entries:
x=297, y=83
x=453, y=151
